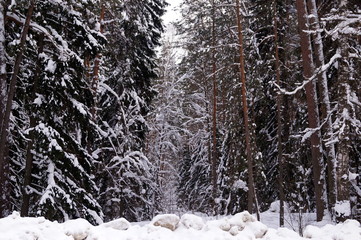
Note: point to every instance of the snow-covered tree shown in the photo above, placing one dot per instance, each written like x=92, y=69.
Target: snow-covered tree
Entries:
x=127, y=185
x=59, y=112
x=343, y=29
x=50, y=167
x=165, y=137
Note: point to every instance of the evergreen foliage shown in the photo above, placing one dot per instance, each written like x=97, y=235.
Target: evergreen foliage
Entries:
x=59, y=148
x=126, y=175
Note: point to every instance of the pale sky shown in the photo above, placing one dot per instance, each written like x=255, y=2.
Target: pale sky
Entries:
x=171, y=14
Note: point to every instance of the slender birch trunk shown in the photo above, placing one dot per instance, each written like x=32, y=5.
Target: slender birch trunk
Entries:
x=4, y=160
x=312, y=108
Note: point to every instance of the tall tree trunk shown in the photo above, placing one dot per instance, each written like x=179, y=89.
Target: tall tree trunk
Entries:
x=251, y=185
x=222, y=119
x=4, y=160
x=214, y=112
x=2, y=63
x=98, y=58
x=312, y=108
x=279, y=120
x=325, y=104
x=29, y=156
x=2, y=105
x=342, y=206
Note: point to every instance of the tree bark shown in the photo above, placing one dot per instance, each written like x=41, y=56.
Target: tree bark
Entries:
x=214, y=113
x=279, y=120
x=251, y=185
x=95, y=79
x=2, y=63
x=4, y=160
x=342, y=206
x=29, y=156
x=325, y=105
x=312, y=108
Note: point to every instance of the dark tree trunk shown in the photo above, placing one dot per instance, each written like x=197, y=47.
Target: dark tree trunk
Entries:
x=279, y=120
x=342, y=206
x=95, y=79
x=2, y=63
x=4, y=160
x=312, y=108
x=214, y=113
x=325, y=104
x=251, y=184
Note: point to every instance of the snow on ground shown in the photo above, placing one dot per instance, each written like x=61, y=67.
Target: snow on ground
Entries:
x=293, y=221
x=241, y=226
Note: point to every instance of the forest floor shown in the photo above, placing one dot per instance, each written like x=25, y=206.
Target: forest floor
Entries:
x=241, y=226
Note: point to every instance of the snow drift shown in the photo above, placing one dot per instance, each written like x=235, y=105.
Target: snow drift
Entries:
x=242, y=226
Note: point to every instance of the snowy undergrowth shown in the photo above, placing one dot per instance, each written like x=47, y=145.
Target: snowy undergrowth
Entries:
x=242, y=226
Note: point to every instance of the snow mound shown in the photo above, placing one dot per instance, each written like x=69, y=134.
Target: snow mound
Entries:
x=242, y=223
x=78, y=229
x=15, y=227
x=169, y=221
x=349, y=230
x=192, y=221
x=118, y=224
x=242, y=226
x=282, y=234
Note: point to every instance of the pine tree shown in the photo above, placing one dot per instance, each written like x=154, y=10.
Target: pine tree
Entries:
x=312, y=108
x=325, y=102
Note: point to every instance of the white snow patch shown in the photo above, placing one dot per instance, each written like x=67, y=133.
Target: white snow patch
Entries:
x=192, y=221
x=343, y=208
x=79, y=228
x=79, y=106
x=242, y=226
x=38, y=100
x=352, y=176
x=51, y=66
x=118, y=224
x=349, y=230
x=275, y=206
x=239, y=184
x=169, y=221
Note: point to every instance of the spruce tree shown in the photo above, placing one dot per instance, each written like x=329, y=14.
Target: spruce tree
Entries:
x=50, y=118
x=127, y=184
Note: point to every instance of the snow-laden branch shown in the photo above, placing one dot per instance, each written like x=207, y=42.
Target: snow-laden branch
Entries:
x=318, y=71
x=344, y=25
x=221, y=69
x=53, y=36
x=308, y=132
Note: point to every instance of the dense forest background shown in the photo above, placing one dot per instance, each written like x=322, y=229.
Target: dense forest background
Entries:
x=251, y=102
